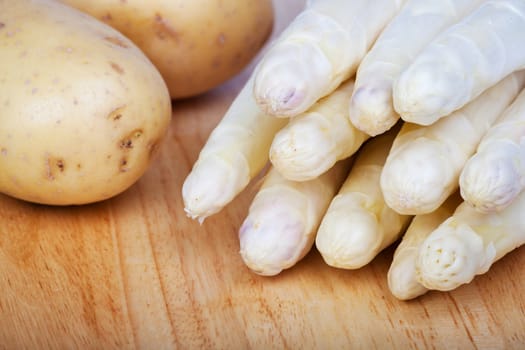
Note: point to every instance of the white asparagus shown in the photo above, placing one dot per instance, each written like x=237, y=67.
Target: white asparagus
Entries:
x=401, y=277
x=418, y=22
x=236, y=151
x=320, y=49
x=462, y=62
x=314, y=141
x=468, y=244
x=493, y=177
x=283, y=218
x=425, y=162
x=358, y=224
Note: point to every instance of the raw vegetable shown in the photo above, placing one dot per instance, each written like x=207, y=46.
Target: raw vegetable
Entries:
x=197, y=44
x=358, y=224
x=402, y=279
x=320, y=49
x=425, y=162
x=468, y=243
x=236, y=151
x=283, y=218
x=418, y=22
x=315, y=140
x=493, y=177
x=82, y=110
x=385, y=187
x=462, y=62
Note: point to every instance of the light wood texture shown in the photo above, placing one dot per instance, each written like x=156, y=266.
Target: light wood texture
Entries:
x=133, y=272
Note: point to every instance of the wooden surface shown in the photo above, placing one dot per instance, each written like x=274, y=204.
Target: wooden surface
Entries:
x=134, y=272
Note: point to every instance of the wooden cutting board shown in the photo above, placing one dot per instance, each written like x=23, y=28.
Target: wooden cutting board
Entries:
x=134, y=272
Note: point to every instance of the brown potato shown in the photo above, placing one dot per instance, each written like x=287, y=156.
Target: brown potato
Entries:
x=82, y=109
x=195, y=44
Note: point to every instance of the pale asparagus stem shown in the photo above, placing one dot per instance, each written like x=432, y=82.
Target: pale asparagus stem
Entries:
x=402, y=279
x=320, y=49
x=236, y=150
x=314, y=141
x=358, y=224
x=493, y=177
x=425, y=162
x=462, y=62
x=283, y=218
x=468, y=243
x=418, y=22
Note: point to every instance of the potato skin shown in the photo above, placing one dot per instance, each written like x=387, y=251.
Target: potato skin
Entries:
x=195, y=44
x=82, y=109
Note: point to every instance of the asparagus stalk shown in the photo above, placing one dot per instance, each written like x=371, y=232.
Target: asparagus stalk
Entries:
x=358, y=224
x=462, y=62
x=283, y=219
x=320, y=49
x=315, y=140
x=425, y=162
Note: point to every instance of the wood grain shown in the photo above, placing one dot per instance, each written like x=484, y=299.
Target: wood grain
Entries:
x=134, y=273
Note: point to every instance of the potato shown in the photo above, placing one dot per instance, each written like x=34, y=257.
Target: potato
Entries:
x=82, y=109
x=195, y=44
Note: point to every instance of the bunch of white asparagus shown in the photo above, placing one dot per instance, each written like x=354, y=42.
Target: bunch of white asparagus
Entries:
x=383, y=121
